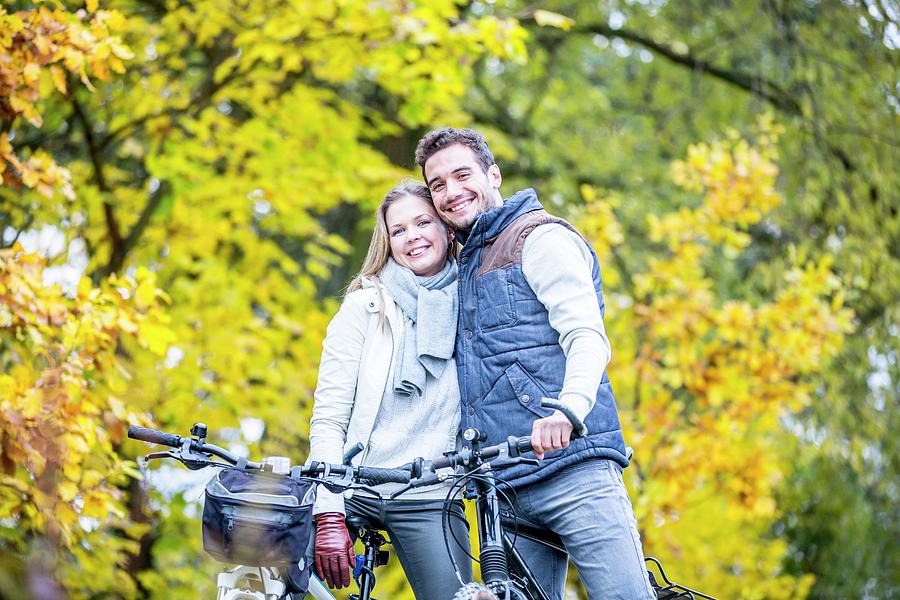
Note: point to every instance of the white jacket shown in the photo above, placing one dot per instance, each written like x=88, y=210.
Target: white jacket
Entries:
x=356, y=358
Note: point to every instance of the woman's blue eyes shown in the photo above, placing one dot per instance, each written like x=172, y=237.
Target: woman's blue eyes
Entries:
x=422, y=223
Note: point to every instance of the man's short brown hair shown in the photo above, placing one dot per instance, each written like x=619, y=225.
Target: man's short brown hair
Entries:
x=438, y=139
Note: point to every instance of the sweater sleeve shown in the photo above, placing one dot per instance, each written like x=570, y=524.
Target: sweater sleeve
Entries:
x=336, y=391
x=557, y=264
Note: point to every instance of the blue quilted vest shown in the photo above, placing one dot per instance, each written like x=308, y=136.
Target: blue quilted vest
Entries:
x=507, y=355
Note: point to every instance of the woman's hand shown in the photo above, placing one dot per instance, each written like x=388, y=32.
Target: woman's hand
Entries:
x=333, y=553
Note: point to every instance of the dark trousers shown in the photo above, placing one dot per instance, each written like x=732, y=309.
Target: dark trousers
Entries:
x=417, y=536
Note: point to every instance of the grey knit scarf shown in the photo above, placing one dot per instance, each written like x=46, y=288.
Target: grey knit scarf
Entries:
x=430, y=306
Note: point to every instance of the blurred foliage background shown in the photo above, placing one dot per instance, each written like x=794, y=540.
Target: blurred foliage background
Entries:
x=188, y=185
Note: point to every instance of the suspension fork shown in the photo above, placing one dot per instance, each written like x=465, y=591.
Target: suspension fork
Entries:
x=490, y=531
x=496, y=547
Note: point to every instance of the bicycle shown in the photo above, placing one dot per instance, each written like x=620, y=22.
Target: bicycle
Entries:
x=244, y=582
x=504, y=571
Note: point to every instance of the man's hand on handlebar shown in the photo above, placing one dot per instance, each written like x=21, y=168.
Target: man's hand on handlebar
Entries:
x=550, y=433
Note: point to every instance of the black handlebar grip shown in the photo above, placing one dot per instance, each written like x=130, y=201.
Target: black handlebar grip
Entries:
x=145, y=434
x=351, y=452
x=523, y=444
x=375, y=476
x=579, y=429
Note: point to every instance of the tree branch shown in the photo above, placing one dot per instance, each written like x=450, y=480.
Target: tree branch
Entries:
x=19, y=230
x=207, y=91
x=117, y=257
x=94, y=152
x=122, y=246
x=754, y=84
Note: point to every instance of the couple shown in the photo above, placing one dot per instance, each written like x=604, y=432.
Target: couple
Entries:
x=429, y=341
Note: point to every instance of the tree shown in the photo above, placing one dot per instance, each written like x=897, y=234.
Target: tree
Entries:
x=704, y=374
x=236, y=150
x=217, y=160
x=42, y=47
x=617, y=91
x=62, y=411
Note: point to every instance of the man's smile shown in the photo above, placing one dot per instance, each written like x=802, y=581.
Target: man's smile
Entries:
x=461, y=205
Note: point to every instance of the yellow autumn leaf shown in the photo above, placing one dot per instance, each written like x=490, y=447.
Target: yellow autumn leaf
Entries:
x=31, y=72
x=546, y=18
x=91, y=478
x=72, y=471
x=67, y=491
x=156, y=337
x=145, y=294
x=95, y=505
x=30, y=403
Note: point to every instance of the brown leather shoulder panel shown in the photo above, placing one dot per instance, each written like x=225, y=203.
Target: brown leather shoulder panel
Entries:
x=505, y=250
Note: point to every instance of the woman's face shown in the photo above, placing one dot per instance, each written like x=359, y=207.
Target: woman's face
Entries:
x=418, y=238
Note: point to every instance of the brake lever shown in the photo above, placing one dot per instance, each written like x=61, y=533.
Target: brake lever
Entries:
x=504, y=463
x=163, y=454
x=402, y=490
x=342, y=484
x=192, y=461
x=186, y=456
x=428, y=478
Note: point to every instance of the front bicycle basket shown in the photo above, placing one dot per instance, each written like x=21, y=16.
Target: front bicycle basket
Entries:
x=257, y=519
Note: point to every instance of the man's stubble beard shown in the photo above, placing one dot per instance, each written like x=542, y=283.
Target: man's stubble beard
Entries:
x=484, y=205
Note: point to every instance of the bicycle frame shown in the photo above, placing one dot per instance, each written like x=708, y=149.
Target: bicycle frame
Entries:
x=273, y=587
x=228, y=584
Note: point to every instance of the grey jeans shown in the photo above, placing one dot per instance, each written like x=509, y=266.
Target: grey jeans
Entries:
x=587, y=505
x=417, y=535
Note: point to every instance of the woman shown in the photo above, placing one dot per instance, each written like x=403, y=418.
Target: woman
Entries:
x=388, y=379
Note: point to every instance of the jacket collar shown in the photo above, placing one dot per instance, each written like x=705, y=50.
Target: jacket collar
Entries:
x=492, y=222
x=381, y=301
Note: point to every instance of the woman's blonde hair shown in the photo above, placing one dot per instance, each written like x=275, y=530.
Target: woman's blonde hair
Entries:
x=380, y=246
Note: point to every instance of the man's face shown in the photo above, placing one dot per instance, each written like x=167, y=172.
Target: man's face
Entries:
x=460, y=189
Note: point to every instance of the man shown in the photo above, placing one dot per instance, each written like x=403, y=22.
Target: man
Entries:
x=531, y=326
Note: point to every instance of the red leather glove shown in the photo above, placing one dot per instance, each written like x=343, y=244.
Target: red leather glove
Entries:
x=333, y=553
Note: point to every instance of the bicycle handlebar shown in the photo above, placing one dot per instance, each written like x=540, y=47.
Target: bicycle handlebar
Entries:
x=199, y=451
x=514, y=446
x=145, y=434
x=523, y=444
